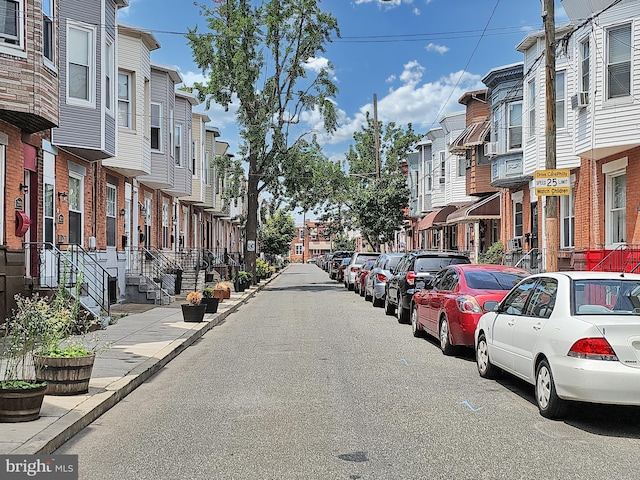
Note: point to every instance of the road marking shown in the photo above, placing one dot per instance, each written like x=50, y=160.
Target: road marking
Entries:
x=470, y=407
x=404, y=361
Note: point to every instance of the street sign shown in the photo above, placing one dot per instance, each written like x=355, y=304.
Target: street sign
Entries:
x=551, y=183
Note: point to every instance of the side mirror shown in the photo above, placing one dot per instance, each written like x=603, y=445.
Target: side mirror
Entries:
x=490, y=306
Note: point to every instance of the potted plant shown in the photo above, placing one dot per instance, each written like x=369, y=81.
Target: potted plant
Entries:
x=209, y=300
x=222, y=290
x=21, y=395
x=194, y=310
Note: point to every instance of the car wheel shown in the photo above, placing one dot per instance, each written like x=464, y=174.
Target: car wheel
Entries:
x=377, y=302
x=367, y=297
x=549, y=404
x=361, y=291
x=401, y=313
x=445, y=343
x=388, y=308
x=348, y=285
x=486, y=369
x=415, y=328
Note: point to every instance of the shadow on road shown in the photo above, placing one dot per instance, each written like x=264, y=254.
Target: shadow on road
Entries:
x=313, y=287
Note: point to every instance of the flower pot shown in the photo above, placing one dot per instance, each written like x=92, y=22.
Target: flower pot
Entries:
x=64, y=376
x=238, y=286
x=21, y=405
x=221, y=293
x=193, y=313
x=211, y=304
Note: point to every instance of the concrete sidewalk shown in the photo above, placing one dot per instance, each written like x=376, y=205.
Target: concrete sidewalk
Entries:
x=144, y=339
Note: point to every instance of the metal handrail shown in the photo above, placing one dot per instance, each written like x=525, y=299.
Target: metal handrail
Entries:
x=620, y=258
x=527, y=257
x=147, y=264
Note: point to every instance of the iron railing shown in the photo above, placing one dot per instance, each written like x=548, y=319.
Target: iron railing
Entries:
x=623, y=258
x=152, y=267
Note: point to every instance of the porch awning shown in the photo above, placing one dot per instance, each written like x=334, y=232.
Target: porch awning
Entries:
x=486, y=209
x=435, y=218
x=473, y=135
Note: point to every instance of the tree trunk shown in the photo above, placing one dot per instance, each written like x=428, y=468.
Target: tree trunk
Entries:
x=251, y=236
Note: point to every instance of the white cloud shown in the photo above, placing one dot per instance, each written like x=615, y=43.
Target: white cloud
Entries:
x=416, y=11
x=316, y=64
x=412, y=73
x=391, y=79
x=441, y=49
x=189, y=78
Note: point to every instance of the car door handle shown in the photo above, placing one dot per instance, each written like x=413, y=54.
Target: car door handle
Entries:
x=511, y=323
x=537, y=327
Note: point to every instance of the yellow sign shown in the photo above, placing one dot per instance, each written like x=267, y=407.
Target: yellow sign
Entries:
x=551, y=183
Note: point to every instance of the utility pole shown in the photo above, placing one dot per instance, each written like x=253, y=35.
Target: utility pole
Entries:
x=552, y=225
x=376, y=135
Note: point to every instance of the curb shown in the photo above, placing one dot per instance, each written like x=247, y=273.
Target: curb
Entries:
x=56, y=434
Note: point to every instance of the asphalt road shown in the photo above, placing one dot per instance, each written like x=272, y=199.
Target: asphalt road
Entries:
x=309, y=381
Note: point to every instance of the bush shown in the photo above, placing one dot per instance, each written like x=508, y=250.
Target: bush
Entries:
x=494, y=255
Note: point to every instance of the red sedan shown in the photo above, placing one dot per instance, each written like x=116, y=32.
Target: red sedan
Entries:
x=450, y=305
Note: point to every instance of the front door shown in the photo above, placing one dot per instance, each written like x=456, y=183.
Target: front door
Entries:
x=534, y=236
x=75, y=210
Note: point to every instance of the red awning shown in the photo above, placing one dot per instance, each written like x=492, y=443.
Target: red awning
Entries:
x=473, y=135
x=485, y=209
x=436, y=218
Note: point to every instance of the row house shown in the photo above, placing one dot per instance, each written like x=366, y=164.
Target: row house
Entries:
x=98, y=156
x=313, y=239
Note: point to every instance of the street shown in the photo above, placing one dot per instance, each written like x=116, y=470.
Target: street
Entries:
x=307, y=380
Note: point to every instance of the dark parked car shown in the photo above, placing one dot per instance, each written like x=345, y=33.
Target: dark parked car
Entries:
x=416, y=265
x=336, y=260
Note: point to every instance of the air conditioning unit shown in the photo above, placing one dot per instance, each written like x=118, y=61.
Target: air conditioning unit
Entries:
x=579, y=100
x=514, y=244
x=490, y=149
x=442, y=180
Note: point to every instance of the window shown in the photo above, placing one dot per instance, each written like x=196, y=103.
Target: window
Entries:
x=429, y=174
x=75, y=210
x=207, y=170
x=532, y=108
x=462, y=166
x=301, y=233
x=517, y=219
x=156, y=126
x=299, y=249
x=165, y=223
x=619, y=62
x=80, y=64
x=514, y=302
x=514, y=131
x=11, y=24
x=561, y=101
x=109, y=70
x=617, y=205
x=585, y=55
x=124, y=100
x=111, y=215
x=48, y=23
x=567, y=217
x=443, y=165
x=171, y=132
x=193, y=157
x=177, y=150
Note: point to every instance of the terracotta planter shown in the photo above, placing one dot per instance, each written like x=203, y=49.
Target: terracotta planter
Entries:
x=193, y=313
x=21, y=405
x=64, y=376
x=221, y=293
x=211, y=304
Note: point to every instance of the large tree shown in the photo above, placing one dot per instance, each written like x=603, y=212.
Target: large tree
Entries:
x=276, y=234
x=256, y=52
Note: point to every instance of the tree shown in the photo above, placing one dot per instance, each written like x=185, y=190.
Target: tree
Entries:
x=276, y=234
x=377, y=205
x=256, y=51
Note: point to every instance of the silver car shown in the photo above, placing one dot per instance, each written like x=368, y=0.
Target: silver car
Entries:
x=377, y=277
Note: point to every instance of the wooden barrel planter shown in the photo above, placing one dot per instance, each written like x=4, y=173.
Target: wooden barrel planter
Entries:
x=21, y=405
x=65, y=376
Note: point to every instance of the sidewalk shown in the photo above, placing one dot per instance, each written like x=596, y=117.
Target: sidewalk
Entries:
x=144, y=339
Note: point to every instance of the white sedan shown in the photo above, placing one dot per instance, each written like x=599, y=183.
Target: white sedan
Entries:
x=574, y=335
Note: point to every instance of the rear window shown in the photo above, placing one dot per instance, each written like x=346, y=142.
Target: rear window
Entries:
x=488, y=280
x=362, y=258
x=434, y=264
x=606, y=296
x=392, y=262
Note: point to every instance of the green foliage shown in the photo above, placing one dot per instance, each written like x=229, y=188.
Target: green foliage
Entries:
x=276, y=234
x=262, y=268
x=207, y=292
x=20, y=385
x=243, y=276
x=71, y=351
x=494, y=255
x=343, y=243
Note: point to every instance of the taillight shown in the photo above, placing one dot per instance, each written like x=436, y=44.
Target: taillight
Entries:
x=411, y=277
x=468, y=304
x=382, y=277
x=593, y=349
x=355, y=269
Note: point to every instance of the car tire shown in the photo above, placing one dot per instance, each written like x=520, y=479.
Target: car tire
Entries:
x=348, y=285
x=388, y=308
x=367, y=297
x=415, y=328
x=361, y=292
x=377, y=302
x=443, y=335
x=486, y=369
x=549, y=404
x=401, y=312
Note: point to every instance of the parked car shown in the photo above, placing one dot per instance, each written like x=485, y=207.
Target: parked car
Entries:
x=357, y=259
x=376, y=280
x=358, y=286
x=336, y=260
x=341, y=269
x=415, y=265
x=450, y=305
x=573, y=335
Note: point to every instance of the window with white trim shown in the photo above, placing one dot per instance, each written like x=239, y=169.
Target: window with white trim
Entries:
x=616, y=225
x=156, y=126
x=193, y=157
x=514, y=131
x=299, y=248
x=48, y=25
x=124, y=100
x=429, y=174
x=111, y=215
x=177, y=149
x=619, y=62
x=443, y=165
x=165, y=223
x=585, y=56
x=517, y=219
x=532, y=108
x=207, y=169
x=11, y=27
x=109, y=73
x=561, y=99
x=567, y=219
x=76, y=208
x=81, y=64
x=171, y=132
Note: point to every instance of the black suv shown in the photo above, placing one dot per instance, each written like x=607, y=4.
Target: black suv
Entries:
x=336, y=260
x=422, y=265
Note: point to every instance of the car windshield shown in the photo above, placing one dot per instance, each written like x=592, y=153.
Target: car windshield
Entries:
x=492, y=280
x=346, y=261
x=392, y=262
x=606, y=296
x=434, y=264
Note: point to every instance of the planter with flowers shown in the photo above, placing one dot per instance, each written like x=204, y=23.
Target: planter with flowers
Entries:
x=209, y=300
x=194, y=310
x=222, y=290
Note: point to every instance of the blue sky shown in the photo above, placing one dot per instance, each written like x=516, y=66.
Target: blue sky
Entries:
x=417, y=56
